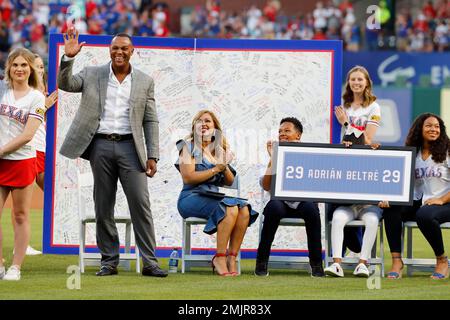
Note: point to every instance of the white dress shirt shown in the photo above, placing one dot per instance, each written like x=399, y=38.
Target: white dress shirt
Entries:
x=116, y=113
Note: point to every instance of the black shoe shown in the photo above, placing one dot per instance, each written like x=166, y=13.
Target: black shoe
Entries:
x=107, y=271
x=154, y=271
x=261, y=268
x=317, y=271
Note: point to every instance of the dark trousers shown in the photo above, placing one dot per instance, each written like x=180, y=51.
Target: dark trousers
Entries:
x=428, y=219
x=274, y=211
x=111, y=161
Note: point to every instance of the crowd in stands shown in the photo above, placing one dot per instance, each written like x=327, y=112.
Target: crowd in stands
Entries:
x=428, y=31
x=272, y=22
x=27, y=23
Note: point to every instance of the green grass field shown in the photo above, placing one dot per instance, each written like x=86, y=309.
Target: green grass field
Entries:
x=45, y=277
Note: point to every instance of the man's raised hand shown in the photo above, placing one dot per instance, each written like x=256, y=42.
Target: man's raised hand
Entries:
x=71, y=45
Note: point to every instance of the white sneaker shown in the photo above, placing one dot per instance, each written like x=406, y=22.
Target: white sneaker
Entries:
x=13, y=274
x=361, y=271
x=30, y=251
x=335, y=270
x=2, y=272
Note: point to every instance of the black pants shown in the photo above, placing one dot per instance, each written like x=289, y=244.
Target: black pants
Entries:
x=428, y=219
x=274, y=211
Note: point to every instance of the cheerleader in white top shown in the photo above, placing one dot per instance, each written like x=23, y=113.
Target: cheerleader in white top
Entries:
x=39, y=137
x=22, y=109
x=360, y=117
x=431, y=191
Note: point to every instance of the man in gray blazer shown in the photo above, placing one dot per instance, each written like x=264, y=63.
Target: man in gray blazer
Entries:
x=116, y=112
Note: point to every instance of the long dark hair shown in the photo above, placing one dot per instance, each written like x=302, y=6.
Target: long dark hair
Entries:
x=440, y=148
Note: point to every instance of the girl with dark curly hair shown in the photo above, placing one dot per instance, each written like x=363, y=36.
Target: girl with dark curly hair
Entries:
x=431, y=194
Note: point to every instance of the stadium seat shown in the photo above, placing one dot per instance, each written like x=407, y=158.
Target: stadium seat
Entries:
x=188, y=258
x=85, y=180
x=286, y=261
x=410, y=262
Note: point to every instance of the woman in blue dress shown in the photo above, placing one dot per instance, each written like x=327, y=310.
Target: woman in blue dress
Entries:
x=204, y=166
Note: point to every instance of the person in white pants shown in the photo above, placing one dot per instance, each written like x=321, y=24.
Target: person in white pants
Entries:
x=371, y=215
x=360, y=118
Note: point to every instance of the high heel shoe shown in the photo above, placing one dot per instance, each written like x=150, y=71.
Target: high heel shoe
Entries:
x=393, y=274
x=437, y=275
x=232, y=254
x=214, y=266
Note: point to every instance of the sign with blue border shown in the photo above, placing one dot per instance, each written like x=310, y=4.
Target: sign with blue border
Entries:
x=334, y=173
x=56, y=44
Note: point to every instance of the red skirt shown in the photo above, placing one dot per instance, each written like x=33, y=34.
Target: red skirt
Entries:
x=40, y=162
x=17, y=173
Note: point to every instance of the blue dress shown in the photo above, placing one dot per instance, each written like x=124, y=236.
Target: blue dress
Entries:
x=191, y=204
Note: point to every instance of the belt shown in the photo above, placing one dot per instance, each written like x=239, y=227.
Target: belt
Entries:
x=114, y=136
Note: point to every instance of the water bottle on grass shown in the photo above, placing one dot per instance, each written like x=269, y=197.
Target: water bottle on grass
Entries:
x=173, y=261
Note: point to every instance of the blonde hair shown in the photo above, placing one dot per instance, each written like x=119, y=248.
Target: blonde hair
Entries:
x=368, y=96
x=33, y=80
x=219, y=137
x=43, y=81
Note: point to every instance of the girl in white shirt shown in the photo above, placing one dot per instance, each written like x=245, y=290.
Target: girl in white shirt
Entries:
x=431, y=191
x=39, y=137
x=22, y=109
x=360, y=117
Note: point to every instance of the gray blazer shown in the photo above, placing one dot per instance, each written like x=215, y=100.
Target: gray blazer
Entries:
x=92, y=82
